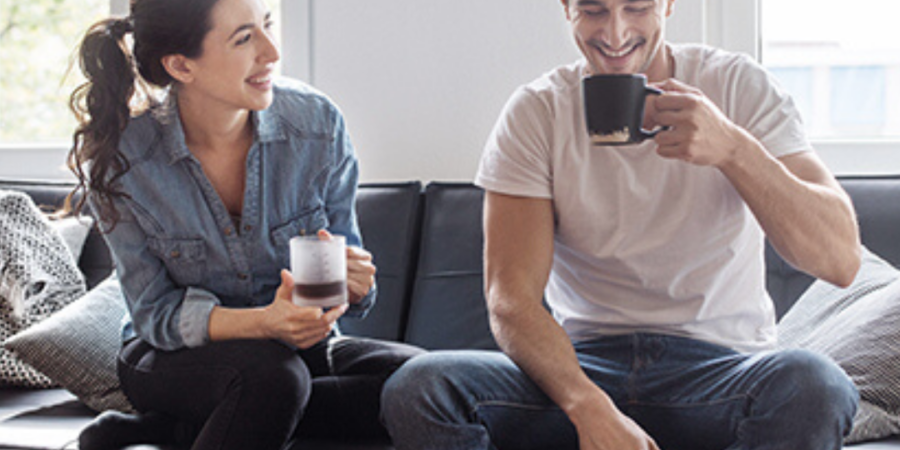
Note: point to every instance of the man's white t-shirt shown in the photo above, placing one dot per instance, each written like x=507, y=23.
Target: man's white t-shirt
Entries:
x=643, y=243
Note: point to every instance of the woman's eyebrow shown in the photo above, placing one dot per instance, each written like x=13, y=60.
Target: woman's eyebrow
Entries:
x=248, y=26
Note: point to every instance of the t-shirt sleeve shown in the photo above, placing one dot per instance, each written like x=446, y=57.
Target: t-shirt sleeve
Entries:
x=516, y=158
x=762, y=107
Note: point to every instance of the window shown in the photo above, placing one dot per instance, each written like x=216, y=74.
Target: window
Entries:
x=842, y=66
x=35, y=122
x=36, y=39
x=34, y=91
x=838, y=60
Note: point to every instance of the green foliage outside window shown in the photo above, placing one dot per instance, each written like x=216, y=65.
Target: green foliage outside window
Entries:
x=37, y=43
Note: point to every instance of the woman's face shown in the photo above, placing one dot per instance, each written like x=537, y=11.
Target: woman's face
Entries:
x=238, y=58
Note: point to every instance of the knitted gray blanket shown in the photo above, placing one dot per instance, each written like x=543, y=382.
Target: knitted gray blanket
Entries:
x=38, y=276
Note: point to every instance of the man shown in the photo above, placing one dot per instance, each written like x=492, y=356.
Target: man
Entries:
x=651, y=255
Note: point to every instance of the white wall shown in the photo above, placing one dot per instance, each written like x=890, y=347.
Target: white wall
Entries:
x=421, y=82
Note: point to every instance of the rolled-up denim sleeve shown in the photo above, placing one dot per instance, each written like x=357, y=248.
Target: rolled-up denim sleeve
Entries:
x=163, y=314
x=193, y=322
x=341, y=201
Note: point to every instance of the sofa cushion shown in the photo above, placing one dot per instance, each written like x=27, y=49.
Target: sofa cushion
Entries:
x=448, y=310
x=95, y=262
x=878, y=213
x=857, y=327
x=38, y=277
x=44, y=419
x=77, y=346
x=74, y=232
x=388, y=216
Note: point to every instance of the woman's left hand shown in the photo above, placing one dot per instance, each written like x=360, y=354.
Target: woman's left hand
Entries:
x=360, y=270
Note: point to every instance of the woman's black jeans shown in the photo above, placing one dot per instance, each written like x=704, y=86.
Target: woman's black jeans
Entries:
x=261, y=394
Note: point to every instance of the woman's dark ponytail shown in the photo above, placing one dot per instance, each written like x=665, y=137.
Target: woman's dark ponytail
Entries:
x=117, y=77
x=102, y=106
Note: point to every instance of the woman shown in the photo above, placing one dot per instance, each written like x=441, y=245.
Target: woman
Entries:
x=198, y=196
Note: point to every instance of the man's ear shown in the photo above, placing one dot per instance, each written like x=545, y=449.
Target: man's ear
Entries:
x=178, y=67
x=565, y=4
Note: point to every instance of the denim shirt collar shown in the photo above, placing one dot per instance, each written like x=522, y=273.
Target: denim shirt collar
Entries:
x=267, y=127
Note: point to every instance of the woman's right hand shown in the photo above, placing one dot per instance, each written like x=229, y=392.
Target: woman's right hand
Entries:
x=302, y=326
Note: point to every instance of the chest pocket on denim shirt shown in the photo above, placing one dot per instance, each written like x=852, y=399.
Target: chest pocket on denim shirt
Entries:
x=307, y=223
x=185, y=259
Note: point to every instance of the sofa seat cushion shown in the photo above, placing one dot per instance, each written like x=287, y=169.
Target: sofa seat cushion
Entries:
x=40, y=419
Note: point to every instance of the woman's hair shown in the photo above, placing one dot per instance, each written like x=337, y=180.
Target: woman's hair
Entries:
x=115, y=74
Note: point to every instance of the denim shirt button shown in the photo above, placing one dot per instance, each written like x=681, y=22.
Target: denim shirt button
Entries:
x=248, y=228
x=175, y=254
x=242, y=276
x=228, y=231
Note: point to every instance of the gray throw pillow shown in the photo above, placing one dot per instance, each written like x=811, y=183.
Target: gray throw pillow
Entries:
x=77, y=346
x=858, y=328
x=38, y=276
x=74, y=232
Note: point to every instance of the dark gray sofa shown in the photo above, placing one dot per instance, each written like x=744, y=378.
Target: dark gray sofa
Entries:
x=427, y=244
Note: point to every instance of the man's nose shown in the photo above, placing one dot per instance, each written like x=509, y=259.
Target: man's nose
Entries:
x=617, y=34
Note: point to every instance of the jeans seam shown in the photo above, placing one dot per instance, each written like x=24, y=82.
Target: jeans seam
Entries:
x=510, y=404
x=231, y=405
x=693, y=405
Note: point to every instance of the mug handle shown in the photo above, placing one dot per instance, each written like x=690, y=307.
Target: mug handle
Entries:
x=650, y=90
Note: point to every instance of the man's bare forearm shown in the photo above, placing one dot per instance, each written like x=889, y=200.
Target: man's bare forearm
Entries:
x=805, y=214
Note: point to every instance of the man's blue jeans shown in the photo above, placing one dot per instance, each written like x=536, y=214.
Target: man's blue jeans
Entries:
x=687, y=394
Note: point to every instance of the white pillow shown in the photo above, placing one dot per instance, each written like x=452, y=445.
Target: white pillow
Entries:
x=74, y=232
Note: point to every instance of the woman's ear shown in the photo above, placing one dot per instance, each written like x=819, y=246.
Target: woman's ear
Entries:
x=178, y=67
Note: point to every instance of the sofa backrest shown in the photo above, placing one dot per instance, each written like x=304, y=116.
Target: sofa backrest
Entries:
x=389, y=217
x=447, y=309
x=877, y=204
x=428, y=249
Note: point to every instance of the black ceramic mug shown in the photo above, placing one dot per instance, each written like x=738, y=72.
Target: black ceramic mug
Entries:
x=614, y=108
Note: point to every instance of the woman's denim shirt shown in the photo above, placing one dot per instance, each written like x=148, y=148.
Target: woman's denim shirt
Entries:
x=178, y=252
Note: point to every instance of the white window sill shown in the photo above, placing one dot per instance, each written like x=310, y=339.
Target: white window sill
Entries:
x=860, y=157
